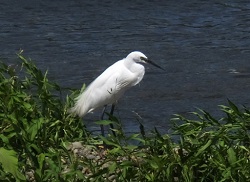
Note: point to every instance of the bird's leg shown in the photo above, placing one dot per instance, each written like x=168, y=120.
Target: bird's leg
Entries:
x=102, y=130
x=112, y=109
x=111, y=113
x=102, y=127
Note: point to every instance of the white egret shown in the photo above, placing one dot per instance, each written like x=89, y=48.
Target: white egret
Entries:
x=108, y=88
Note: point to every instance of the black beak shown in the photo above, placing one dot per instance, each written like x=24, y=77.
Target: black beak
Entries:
x=150, y=62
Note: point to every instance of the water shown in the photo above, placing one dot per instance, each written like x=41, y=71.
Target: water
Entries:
x=203, y=45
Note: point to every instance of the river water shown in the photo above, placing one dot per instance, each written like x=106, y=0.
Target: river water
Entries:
x=204, y=47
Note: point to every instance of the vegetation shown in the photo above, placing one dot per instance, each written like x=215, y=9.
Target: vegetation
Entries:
x=40, y=141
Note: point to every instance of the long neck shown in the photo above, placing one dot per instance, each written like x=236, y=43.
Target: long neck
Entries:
x=131, y=65
x=137, y=69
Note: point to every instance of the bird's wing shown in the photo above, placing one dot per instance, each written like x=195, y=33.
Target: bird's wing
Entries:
x=105, y=89
x=119, y=81
x=116, y=76
x=114, y=86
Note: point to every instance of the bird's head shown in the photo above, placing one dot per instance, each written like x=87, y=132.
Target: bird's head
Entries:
x=139, y=57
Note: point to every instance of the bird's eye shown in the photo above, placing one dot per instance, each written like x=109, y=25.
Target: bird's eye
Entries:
x=143, y=59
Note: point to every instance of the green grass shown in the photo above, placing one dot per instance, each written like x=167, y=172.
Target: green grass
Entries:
x=36, y=132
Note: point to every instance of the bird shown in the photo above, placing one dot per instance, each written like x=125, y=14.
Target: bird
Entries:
x=110, y=86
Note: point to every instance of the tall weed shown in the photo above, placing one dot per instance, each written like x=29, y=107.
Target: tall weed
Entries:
x=34, y=120
x=36, y=132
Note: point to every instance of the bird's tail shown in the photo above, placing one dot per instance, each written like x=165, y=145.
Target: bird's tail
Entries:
x=79, y=108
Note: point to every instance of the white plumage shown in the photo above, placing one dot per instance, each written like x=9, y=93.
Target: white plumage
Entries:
x=107, y=88
x=111, y=84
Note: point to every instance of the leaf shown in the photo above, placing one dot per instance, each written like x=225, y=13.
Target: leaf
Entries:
x=131, y=147
x=210, y=118
x=112, y=167
x=226, y=174
x=153, y=164
x=127, y=163
x=41, y=159
x=244, y=148
x=34, y=128
x=4, y=139
x=108, y=142
x=231, y=156
x=116, y=150
x=9, y=163
x=104, y=122
x=234, y=107
x=27, y=106
x=133, y=136
x=204, y=147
